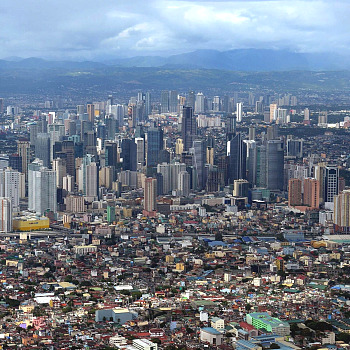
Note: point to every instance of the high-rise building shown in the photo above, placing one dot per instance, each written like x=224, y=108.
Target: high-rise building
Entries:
x=199, y=103
x=11, y=186
x=91, y=112
x=173, y=101
x=5, y=215
x=1, y=105
x=240, y=188
x=239, y=107
x=306, y=114
x=184, y=183
x=60, y=167
x=164, y=101
x=236, y=159
x=342, y=212
x=42, y=188
x=150, y=196
x=311, y=196
x=199, y=159
x=330, y=183
x=42, y=148
x=273, y=112
x=190, y=101
x=154, y=146
x=129, y=154
x=188, y=128
x=148, y=105
x=23, y=150
x=295, y=147
x=275, y=165
x=294, y=192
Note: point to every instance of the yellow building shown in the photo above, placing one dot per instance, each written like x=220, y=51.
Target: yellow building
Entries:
x=30, y=224
x=180, y=267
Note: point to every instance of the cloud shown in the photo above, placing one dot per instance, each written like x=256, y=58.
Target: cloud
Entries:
x=89, y=29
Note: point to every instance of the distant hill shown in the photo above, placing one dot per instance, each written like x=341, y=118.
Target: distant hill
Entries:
x=240, y=60
x=248, y=60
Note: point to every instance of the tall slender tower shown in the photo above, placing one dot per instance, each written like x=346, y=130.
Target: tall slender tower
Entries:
x=150, y=196
x=5, y=214
x=188, y=128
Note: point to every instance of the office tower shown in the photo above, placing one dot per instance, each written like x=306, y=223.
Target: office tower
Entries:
x=42, y=188
x=1, y=105
x=236, y=159
x=179, y=146
x=23, y=150
x=191, y=99
x=60, y=167
x=259, y=107
x=210, y=155
x=274, y=165
x=148, y=105
x=341, y=216
x=175, y=170
x=106, y=177
x=165, y=170
x=294, y=192
x=88, y=177
x=252, y=133
x=80, y=111
x=15, y=162
x=150, y=196
x=295, y=147
x=273, y=112
x=154, y=146
x=306, y=114
x=89, y=142
x=5, y=215
x=240, y=188
x=68, y=183
x=239, y=111
x=140, y=152
x=164, y=101
x=188, y=128
x=231, y=124
x=199, y=158
x=216, y=104
x=111, y=127
x=91, y=112
x=173, y=101
x=311, y=196
x=184, y=183
x=214, y=178
x=57, y=133
x=330, y=183
x=199, y=103
x=66, y=150
x=42, y=148
x=251, y=162
x=225, y=104
x=111, y=153
x=129, y=154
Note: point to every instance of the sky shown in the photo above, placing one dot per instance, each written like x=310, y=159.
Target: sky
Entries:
x=104, y=29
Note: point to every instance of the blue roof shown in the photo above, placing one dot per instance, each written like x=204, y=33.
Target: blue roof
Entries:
x=211, y=330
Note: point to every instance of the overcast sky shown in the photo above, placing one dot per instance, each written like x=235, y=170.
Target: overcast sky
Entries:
x=97, y=29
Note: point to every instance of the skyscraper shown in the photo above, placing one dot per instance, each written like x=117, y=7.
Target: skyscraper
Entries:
x=275, y=165
x=5, y=215
x=342, y=212
x=10, y=186
x=150, y=196
x=239, y=112
x=173, y=101
x=23, y=150
x=188, y=128
x=273, y=112
x=199, y=158
x=164, y=101
x=42, y=148
x=294, y=192
x=129, y=154
x=154, y=146
x=184, y=183
x=42, y=189
x=236, y=159
x=199, y=103
x=330, y=183
x=311, y=196
x=91, y=112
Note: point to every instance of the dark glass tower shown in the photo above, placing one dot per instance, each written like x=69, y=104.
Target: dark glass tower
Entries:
x=189, y=128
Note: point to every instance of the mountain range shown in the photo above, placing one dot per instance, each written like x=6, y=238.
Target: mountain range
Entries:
x=249, y=60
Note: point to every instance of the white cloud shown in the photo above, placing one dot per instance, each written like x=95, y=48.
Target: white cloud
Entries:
x=93, y=29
